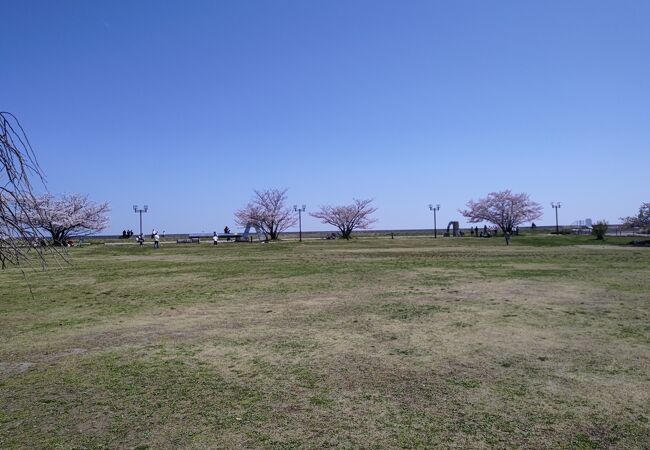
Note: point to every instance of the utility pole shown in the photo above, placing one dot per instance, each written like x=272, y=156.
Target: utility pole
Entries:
x=435, y=225
x=556, y=206
x=140, y=210
x=300, y=211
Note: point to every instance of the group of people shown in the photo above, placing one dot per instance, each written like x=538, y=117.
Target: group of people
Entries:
x=489, y=232
x=155, y=236
x=486, y=232
x=493, y=231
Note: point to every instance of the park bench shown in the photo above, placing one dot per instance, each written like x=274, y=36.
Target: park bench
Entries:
x=237, y=237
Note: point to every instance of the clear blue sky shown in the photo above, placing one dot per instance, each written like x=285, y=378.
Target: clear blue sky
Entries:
x=188, y=106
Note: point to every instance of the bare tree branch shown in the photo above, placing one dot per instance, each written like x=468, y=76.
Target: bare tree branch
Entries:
x=641, y=220
x=17, y=165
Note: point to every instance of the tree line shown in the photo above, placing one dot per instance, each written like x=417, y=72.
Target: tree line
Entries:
x=269, y=211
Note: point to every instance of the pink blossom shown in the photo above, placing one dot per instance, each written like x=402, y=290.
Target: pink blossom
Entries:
x=349, y=217
x=504, y=209
x=268, y=212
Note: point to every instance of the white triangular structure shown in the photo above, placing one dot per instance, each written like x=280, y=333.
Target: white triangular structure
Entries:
x=246, y=235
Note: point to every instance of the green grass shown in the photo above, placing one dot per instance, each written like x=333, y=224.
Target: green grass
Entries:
x=373, y=343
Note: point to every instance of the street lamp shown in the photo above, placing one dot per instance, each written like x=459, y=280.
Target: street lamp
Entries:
x=140, y=210
x=556, y=206
x=435, y=225
x=300, y=211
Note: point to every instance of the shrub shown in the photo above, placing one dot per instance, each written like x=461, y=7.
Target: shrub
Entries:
x=599, y=229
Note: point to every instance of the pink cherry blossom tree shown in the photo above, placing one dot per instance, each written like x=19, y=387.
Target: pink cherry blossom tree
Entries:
x=503, y=209
x=349, y=217
x=267, y=211
x=641, y=220
x=17, y=166
x=67, y=216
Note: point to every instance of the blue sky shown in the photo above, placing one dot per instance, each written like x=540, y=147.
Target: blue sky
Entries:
x=189, y=106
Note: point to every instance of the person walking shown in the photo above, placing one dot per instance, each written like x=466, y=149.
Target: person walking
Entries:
x=506, y=236
x=156, y=240
x=215, y=238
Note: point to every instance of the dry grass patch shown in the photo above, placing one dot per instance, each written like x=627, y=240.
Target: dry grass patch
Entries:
x=371, y=343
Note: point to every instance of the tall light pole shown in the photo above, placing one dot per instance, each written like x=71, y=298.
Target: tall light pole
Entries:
x=140, y=210
x=435, y=225
x=556, y=206
x=300, y=211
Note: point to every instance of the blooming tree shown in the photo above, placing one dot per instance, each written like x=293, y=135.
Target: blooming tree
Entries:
x=641, y=220
x=66, y=217
x=503, y=209
x=17, y=165
x=268, y=212
x=349, y=217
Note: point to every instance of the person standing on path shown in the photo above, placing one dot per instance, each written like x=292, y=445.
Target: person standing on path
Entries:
x=156, y=240
x=215, y=238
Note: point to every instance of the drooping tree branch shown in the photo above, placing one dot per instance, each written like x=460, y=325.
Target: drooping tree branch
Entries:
x=18, y=166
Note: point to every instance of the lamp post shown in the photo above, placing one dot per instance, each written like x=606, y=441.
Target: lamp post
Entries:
x=300, y=211
x=140, y=210
x=435, y=225
x=556, y=206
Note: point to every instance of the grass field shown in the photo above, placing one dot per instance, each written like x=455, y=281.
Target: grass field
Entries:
x=373, y=343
